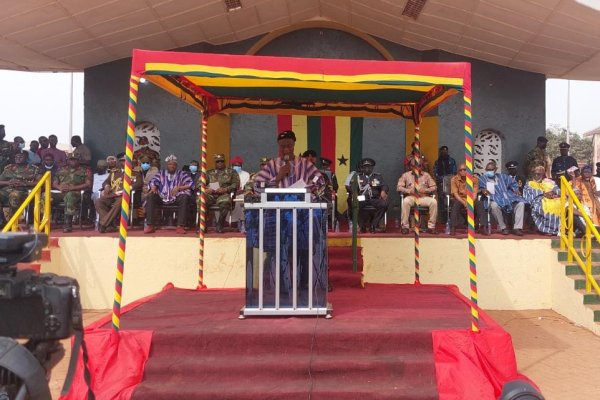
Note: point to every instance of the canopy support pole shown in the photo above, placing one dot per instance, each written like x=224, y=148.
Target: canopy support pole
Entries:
x=202, y=206
x=470, y=211
x=125, y=200
x=417, y=170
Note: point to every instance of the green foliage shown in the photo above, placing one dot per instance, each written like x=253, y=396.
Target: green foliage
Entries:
x=581, y=148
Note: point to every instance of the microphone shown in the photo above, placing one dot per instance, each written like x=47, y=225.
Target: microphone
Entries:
x=286, y=160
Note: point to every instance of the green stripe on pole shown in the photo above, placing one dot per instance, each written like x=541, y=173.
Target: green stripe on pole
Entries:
x=356, y=141
x=314, y=135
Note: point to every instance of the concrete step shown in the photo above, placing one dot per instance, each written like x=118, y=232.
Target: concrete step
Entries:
x=589, y=298
x=576, y=242
x=574, y=269
x=53, y=242
x=596, y=309
x=580, y=281
x=562, y=255
x=37, y=267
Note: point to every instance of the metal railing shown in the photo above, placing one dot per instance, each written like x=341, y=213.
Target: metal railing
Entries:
x=41, y=223
x=569, y=202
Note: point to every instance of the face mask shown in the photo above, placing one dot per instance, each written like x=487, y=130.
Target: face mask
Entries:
x=193, y=169
x=21, y=146
x=145, y=166
x=490, y=174
x=237, y=168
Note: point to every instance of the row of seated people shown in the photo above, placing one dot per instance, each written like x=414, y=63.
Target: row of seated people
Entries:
x=499, y=196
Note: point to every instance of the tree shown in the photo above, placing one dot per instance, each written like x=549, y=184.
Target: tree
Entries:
x=581, y=148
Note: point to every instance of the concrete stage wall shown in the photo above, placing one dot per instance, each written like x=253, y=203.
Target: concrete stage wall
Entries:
x=513, y=274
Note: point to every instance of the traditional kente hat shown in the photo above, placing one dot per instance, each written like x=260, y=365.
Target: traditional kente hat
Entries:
x=171, y=158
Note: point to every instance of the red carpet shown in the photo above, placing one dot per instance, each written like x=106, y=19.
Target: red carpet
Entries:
x=379, y=345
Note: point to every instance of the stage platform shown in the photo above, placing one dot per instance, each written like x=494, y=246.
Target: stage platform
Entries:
x=384, y=342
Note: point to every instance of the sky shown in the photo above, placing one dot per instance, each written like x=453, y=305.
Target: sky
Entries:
x=47, y=111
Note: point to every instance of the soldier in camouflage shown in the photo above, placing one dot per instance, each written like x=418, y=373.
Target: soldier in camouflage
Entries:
x=6, y=150
x=15, y=181
x=538, y=157
x=228, y=182
x=71, y=180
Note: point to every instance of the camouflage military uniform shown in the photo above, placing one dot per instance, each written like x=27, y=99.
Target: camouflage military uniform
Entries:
x=228, y=179
x=535, y=158
x=71, y=176
x=6, y=153
x=14, y=196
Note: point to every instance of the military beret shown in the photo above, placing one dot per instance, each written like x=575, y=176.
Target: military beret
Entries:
x=325, y=162
x=309, y=153
x=237, y=160
x=564, y=145
x=287, y=135
x=219, y=157
x=511, y=164
x=541, y=139
x=73, y=156
x=264, y=159
x=101, y=163
x=367, y=161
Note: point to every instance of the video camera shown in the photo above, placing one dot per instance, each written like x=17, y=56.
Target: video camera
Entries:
x=42, y=308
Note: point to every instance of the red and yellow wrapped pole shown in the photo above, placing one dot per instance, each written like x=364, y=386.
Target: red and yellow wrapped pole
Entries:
x=471, y=211
x=417, y=170
x=125, y=201
x=202, y=206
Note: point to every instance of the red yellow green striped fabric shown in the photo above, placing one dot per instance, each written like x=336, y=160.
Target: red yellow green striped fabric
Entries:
x=303, y=86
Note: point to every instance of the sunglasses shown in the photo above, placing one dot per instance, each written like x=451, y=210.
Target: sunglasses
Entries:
x=462, y=169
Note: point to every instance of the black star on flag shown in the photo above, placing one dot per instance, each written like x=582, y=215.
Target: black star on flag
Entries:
x=342, y=160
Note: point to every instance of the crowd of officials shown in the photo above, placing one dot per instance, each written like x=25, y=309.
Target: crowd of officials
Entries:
x=505, y=199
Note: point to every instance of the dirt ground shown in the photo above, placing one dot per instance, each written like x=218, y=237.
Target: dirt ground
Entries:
x=561, y=358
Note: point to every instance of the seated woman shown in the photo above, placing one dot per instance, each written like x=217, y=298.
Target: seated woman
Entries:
x=544, y=196
x=585, y=188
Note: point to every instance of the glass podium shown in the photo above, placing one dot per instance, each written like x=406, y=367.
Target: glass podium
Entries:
x=286, y=255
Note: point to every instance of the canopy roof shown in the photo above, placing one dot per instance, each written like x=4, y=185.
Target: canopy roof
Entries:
x=313, y=86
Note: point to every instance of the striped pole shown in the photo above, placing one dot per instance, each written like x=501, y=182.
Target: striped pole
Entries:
x=202, y=208
x=125, y=201
x=470, y=211
x=417, y=170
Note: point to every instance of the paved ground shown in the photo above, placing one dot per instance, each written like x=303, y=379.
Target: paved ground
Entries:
x=561, y=358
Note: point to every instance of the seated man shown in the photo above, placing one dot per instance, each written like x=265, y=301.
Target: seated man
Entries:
x=411, y=157
x=221, y=183
x=70, y=180
x=249, y=193
x=108, y=205
x=15, y=181
x=418, y=189
x=170, y=186
x=502, y=194
x=458, y=190
x=372, y=186
x=237, y=215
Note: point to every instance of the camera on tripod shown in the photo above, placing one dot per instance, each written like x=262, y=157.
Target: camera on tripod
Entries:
x=42, y=308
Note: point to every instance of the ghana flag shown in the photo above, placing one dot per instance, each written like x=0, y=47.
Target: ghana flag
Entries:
x=339, y=139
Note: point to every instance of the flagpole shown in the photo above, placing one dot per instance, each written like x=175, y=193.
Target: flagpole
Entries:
x=568, y=110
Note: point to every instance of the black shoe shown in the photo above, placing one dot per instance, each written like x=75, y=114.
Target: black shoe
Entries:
x=431, y=231
x=101, y=229
x=505, y=231
x=404, y=231
x=518, y=232
x=452, y=232
x=363, y=229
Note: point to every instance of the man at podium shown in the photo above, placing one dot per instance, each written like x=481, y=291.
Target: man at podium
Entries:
x=287, y=170
x=299, y=229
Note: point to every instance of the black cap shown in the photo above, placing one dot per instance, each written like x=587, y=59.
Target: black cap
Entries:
x=367, y=161
x=309, y=153
x=587, y=168
x=598, y=164
x=287, y=135
x=542, y=139
x=511, y=164
x=564, y=145
x=325, y=162
x=443, y=148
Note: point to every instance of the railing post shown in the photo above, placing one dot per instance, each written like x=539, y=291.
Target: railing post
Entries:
x=47, y=202
x=36, y=211
x=570, y=229
x=588, y=258
x=563, y=221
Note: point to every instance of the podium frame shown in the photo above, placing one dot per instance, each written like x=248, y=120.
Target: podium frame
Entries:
x=294, y=206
